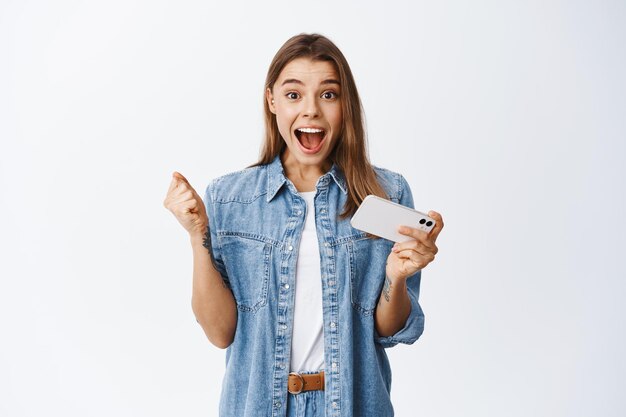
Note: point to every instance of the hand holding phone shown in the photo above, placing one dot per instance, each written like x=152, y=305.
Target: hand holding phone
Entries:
x=381, y=217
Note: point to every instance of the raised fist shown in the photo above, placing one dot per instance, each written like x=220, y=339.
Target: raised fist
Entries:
x=186, y=204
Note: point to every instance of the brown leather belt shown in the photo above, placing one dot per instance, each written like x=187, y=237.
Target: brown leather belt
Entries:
x=305, y=382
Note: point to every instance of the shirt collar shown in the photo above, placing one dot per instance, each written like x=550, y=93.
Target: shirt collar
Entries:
x=276, y=177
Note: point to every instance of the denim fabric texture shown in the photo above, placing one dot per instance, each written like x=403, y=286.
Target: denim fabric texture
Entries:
x=256, y=217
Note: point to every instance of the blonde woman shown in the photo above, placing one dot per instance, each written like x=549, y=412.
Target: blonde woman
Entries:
x=304, y=304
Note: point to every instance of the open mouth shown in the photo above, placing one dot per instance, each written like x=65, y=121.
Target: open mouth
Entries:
x=310, y=138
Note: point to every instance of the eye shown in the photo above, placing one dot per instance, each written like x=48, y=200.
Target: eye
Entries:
x=292, y=95
x=329, y=95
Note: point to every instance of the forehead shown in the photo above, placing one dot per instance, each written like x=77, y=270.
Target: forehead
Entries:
x=305, y=69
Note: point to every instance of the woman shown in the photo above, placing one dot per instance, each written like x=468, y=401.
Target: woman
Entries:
x=304, y=303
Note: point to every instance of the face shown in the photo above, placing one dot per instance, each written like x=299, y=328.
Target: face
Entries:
x=305, y=100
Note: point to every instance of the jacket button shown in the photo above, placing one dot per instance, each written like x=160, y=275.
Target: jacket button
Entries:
x=323, y=211
x=286, y=286
x=277, y=404
x=332, y=324
x=290, y=248
x=326, y=244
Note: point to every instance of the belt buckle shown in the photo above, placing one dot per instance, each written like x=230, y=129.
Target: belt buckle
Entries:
x=301, y=380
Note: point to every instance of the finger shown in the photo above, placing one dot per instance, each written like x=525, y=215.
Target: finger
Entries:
x=181, y=180
x=418, y=235
x=188, y=207
x=186, y=188
x=409, y=256
x=416, y=259
x=192, y=206
x=180, y=177
x=410, y=231
x=184, y=196
x=179, y=189
x=173, y=192
x=422, y=245
x=411, y=252
x=434, y=233
x=173, y=184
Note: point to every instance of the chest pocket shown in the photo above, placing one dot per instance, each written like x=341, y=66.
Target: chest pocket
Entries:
x=368, y=259
x=247, y=260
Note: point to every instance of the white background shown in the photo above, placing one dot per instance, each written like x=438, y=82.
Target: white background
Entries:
x=509, y=118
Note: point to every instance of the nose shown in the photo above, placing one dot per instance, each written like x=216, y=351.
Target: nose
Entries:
x=311, y=107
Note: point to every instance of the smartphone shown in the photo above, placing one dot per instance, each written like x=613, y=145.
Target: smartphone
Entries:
x=381, y=217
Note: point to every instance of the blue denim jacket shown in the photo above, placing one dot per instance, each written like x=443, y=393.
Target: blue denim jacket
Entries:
x=256, y=217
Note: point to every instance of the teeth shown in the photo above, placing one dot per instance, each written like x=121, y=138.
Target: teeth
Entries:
x=309, y=130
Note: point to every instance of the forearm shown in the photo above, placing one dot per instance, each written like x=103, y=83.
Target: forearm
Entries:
x=394, y=307
x=212, y=301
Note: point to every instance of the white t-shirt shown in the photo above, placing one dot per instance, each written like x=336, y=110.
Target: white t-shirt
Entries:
x=307, y=345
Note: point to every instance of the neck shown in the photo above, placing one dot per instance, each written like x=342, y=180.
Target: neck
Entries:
x=304, y=177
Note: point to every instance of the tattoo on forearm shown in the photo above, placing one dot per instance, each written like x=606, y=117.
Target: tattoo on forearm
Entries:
x=387, y=288
x=206, y=242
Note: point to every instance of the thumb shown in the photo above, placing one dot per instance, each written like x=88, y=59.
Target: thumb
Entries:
x=180, y=177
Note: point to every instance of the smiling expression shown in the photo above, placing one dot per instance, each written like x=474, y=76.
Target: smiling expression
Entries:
x=308, y=110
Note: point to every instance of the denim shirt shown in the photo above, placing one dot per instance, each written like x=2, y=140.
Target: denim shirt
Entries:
x=256, y=217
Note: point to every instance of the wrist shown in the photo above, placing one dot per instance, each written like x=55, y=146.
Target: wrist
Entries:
x=395, y=277
x=199, y=237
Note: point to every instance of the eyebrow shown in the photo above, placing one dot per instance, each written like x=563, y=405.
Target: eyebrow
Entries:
x=296, y=81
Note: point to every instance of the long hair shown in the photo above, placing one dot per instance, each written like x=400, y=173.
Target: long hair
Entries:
x=350, y=152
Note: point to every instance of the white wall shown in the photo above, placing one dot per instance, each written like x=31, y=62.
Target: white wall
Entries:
x=509, y=118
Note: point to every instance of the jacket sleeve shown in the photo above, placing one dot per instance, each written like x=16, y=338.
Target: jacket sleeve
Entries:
x=211, y=241
x=414, y=326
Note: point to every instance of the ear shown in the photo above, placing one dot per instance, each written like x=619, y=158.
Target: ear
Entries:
x=270, y=100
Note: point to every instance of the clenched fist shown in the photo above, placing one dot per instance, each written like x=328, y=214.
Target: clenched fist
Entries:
x=186, y=204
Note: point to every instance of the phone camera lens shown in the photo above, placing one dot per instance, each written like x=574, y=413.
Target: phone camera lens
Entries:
x=429, y=223
x=422, y=221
